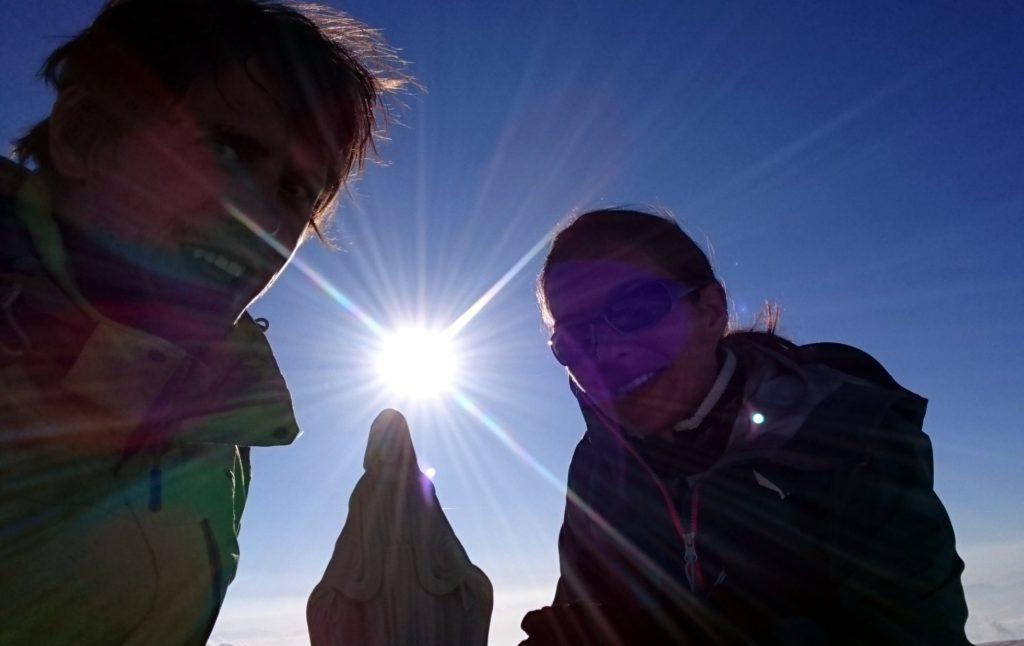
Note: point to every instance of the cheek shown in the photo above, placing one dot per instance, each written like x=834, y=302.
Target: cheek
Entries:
x=662, y=346
x=170, y=181
x=678, y=335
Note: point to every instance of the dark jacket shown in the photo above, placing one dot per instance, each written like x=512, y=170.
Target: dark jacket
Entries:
x=816, y=524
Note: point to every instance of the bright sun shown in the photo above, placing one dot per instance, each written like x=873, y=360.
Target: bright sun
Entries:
x=417, y=363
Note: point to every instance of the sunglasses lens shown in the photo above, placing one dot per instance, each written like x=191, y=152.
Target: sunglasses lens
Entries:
x=638, y=306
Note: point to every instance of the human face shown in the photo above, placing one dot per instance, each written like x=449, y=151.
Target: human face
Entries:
x=649, y=378
x=205, y=201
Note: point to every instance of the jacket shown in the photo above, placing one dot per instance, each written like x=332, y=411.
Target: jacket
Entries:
x=818, y=523
x=124, y=461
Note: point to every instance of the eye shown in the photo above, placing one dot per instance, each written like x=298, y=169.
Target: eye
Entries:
x=638, y=305
x=299, y=195
x=226, y=152
x=233, y=149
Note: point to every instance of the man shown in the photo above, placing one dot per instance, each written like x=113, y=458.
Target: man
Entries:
x=192, y=146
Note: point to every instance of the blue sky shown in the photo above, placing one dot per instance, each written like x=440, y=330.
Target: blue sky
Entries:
x=860, y=163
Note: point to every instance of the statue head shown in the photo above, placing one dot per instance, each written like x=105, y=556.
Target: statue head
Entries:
x=390, y=444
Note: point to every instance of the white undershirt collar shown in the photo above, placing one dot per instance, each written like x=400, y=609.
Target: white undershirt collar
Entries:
x=714, y=394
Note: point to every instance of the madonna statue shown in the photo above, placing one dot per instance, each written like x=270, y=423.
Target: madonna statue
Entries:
x=398, y=575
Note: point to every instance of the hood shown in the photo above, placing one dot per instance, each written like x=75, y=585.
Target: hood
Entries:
x=813, y=403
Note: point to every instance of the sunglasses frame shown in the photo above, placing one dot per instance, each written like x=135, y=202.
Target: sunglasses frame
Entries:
x=673, y=290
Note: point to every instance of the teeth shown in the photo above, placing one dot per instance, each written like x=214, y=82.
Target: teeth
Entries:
x=636, y=383
x=229, y=267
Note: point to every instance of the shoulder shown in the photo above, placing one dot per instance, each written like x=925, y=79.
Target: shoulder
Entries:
x=850, y=368
x=840, y=357
x=868, y=392
x=850, y=404
x=849, y=360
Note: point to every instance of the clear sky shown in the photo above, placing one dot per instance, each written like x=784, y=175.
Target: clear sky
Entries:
x=861, y=163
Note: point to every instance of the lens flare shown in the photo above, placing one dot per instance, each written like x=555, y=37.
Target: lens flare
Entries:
x=417, y=363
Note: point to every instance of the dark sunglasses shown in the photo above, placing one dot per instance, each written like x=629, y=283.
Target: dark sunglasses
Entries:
x=630, y=308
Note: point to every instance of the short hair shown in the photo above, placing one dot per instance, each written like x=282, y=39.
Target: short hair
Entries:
x=141, y=54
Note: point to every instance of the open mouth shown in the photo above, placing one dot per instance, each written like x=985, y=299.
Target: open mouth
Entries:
x=636, y=383
x=215, y=263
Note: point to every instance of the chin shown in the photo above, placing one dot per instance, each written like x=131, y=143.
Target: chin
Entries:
x=643, y=412
x=639, y=423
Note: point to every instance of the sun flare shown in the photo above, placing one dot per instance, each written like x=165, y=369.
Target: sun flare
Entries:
x=417, y=363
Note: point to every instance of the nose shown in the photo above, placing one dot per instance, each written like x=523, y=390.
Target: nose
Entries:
x=606, y=343
x=255, y=197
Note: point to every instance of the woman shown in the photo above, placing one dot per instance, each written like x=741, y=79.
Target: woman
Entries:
x=398, y=575
x=731, y=487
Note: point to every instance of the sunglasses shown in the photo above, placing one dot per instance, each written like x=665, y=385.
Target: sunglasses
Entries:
x=630, y=308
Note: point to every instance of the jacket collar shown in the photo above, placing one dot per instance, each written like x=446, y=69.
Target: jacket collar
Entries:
x=236, y=395
x=779, y=395
x=714, y=394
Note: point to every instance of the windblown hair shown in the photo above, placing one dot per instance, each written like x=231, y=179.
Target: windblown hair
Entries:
x=140, y=55
x=618, y=233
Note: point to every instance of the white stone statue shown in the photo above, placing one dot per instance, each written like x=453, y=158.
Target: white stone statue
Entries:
x=398, y=575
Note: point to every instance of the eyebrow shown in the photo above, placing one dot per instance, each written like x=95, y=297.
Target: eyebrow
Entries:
x=253, y=148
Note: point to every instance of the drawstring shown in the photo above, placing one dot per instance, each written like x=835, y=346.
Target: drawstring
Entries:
x=692, y=568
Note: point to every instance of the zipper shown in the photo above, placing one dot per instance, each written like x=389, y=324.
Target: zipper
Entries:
x=694, y=574
x=691, y=559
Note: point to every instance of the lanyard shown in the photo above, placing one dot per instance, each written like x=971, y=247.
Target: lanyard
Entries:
x=687, y=536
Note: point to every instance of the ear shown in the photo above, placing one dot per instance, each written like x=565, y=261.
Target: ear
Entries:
x=68, y=160
x=712, y=306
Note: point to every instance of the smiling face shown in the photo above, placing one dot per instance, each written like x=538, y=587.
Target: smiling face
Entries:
x=203, y=203
x=650, y=378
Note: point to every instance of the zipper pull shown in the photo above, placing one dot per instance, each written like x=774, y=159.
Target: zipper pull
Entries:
x=690, y=541
x=692, y=567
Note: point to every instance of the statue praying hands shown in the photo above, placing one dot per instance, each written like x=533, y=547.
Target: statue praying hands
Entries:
x=398, y=575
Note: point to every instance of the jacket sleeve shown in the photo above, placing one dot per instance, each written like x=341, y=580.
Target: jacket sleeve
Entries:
x=896, y=567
